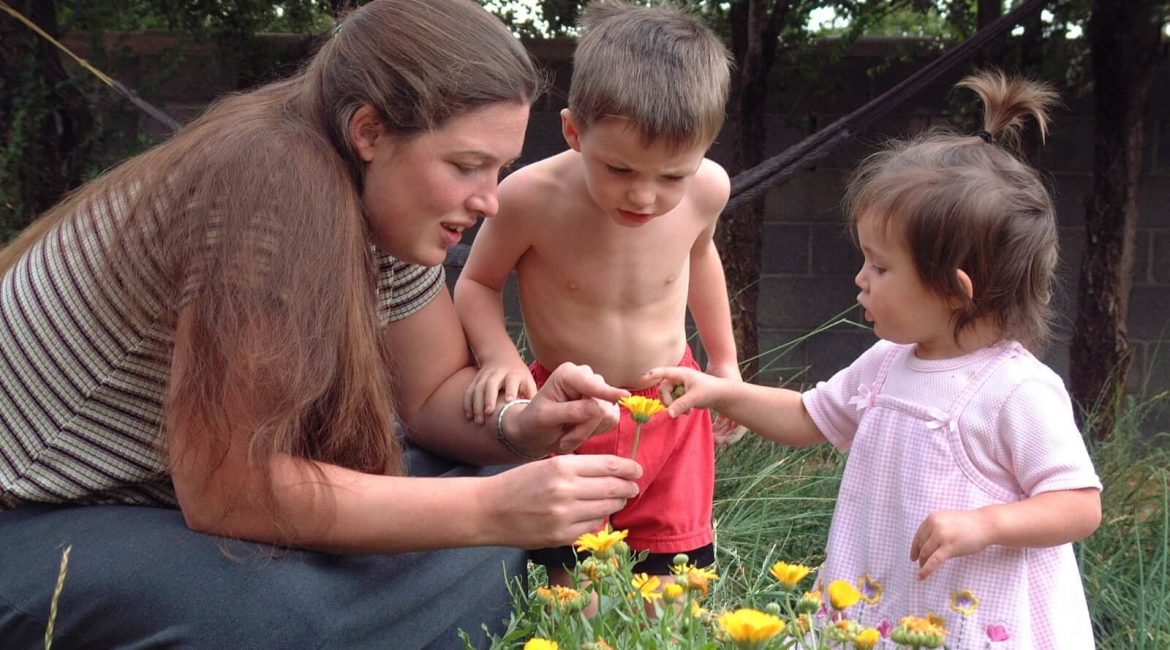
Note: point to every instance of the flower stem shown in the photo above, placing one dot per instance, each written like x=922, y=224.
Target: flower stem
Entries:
x=637, y=439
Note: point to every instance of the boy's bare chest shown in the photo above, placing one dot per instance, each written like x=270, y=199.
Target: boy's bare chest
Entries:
x=635, y=267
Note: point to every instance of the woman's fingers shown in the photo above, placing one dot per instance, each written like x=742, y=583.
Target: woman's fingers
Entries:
x=585, y=418
x=553, y=501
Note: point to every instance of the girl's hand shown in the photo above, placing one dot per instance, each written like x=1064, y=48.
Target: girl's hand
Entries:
x=512, y=379
x=554, y=501
x=947, y=534
x=699, y=390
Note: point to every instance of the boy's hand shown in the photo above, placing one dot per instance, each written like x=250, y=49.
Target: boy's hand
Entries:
x=509, y=380
x=727, y=431
x=947, y=534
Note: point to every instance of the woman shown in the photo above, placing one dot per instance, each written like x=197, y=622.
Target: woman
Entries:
x=232, y=323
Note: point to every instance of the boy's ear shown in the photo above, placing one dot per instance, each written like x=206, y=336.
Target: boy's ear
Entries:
x=570, y=131
x=965, y=282
x=365, y=129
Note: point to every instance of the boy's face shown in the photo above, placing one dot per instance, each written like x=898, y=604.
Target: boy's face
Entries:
x=630, y=181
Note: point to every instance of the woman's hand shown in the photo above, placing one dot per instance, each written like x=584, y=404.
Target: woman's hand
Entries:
x=574, y=404
x=554, y=501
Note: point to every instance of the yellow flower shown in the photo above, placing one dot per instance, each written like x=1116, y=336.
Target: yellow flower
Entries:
x=648, y=585
x=642, y=408
x=672, y=592
x=867, y=638
x=694, y=578
x=964, y=602
x=750, y=627
x=843, y=595
x=601, y=543
x=600, y=644
x=537, y=643
x=789, y=575
x=871, y=590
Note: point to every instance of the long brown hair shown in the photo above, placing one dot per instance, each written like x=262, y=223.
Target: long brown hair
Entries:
x=253, y=219
x=966, y=202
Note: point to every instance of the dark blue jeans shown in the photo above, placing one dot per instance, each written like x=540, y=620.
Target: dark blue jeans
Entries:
x=139, y=578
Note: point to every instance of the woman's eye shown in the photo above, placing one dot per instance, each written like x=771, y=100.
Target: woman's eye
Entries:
x=672, y=179
x=466, y=169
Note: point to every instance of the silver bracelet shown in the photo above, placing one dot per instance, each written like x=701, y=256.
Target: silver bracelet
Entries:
x=503, y=439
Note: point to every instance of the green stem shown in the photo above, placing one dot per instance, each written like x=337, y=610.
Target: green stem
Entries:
x=637, y=439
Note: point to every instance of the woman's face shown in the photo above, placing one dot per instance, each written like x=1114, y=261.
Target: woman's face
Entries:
x=422, y=192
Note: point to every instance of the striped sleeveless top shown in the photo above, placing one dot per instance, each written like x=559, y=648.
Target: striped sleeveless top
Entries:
x=83, y=379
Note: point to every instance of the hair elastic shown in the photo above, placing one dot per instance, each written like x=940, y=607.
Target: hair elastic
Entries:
x=985, y=135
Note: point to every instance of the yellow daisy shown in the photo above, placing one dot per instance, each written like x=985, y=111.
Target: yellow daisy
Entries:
x=789, y=575
x=749, y=628
x=867, y=639
x=537, y=643
x=647, y=586
x=642, y=408
x=673, y=592
x=694, y=578
x=602, y=542
x=843, y=595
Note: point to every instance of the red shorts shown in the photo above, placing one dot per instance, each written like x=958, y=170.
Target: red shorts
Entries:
x=672, y=512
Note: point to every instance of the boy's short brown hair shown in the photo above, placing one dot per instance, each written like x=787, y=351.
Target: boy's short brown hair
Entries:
x=658, y=67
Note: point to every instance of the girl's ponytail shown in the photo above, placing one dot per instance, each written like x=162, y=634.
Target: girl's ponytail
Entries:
x=1007, y=101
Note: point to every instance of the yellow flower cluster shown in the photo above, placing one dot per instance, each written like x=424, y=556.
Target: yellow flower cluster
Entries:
x=563, y=598
x=642, y=610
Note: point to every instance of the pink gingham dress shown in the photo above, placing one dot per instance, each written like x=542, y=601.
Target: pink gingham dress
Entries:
x=991, y=427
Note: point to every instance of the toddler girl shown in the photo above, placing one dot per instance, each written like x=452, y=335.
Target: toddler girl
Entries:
x=967, y=479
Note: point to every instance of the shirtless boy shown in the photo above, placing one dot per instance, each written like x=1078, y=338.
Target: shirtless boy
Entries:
x=612, y=241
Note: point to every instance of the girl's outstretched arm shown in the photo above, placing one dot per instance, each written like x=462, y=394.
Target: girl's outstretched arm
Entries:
x=777, y=414
x=1046, y=519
